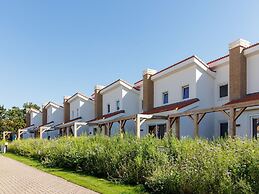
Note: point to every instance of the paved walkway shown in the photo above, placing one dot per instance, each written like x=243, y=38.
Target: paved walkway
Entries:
x=17, y=178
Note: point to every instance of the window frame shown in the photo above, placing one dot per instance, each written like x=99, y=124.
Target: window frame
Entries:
x=163, y=97
x=219, y=91
x=108, y=108
x=118, y=105
x=183, y=89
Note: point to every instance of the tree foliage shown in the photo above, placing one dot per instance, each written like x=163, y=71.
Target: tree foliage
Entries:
x=14, y=118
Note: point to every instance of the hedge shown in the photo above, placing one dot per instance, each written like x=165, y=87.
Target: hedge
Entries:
x=162, y=166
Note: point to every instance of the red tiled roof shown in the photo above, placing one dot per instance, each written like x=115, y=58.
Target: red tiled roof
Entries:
x=108, y=115
x=46, y=123
x=119, y=81
x=73, y=120
x=217, y=59
x=173, y=106
x=182, y=62
x=247, y=98
x=138, y=82
x=256, y=44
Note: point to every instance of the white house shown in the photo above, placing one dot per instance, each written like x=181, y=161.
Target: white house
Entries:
x=33, y=121
x=52, y=115
x=119, y=99
x=79, y=109
x=237, y=82
x=180, y=87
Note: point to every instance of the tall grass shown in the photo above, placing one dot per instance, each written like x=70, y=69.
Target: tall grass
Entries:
x=162, y=166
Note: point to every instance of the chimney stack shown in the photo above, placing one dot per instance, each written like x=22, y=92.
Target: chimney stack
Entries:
x=148, y=90
x=66, y=109
x=44, y=115
x=237, y=69
x=28, y=118
x=98, y=101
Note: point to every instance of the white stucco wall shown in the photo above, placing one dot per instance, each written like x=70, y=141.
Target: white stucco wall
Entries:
x=55, y=114
x=110, y=97
x=36, y=119
x=253, y=74
x=173, y=84
x=82, y=108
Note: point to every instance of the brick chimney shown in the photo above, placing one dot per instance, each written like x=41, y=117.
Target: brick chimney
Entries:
x=237, y=69
x=44, y=116
x=148, y=90
x=28, y=118
x=98, y=101
x=66, y=109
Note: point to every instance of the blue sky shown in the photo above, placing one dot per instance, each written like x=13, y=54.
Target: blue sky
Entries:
x=53, y=48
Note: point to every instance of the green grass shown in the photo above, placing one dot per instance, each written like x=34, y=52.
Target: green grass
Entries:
x=89, y=182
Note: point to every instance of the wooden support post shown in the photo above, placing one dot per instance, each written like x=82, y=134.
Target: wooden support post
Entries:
x=4, y=135
x=67, y=131
x=41, y=133
x=138, y=126
x=75, y=130
x=196, y=125
x=232, y=122
x=177, y=127
x=19, y=134
x=122, y=125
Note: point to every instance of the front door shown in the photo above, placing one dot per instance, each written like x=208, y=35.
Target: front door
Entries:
x=255, y=128
x=223, y=130
x=161, y=131
x=152, y=130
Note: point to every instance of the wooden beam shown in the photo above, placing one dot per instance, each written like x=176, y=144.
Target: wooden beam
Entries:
x=177, y=127
x=196, y=125
x=138, y=126
x=226, y=113
x=201, y=116
x=238, y=113
x=233, y=122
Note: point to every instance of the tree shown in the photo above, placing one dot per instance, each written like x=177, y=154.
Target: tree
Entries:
x=15, y=117
x=28, y=105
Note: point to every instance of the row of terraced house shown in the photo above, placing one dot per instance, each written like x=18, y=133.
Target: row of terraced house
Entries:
x=190, y=84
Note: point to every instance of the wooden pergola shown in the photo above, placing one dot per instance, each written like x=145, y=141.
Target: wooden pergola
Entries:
x=5, y=133
x=232, y=111
x=139, y=119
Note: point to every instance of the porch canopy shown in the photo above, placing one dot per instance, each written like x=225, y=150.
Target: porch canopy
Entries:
x=71, y=126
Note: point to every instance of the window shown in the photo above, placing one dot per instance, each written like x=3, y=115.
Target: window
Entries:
x=117, y=105
x=77, y=112
x=223, y=130
x=73, y=114
x=223, y=91
x=185, y=92
x=165, y=97
x=142, y=104
x=108, y=108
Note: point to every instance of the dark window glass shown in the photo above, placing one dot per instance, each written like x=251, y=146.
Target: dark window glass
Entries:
x=185, y=92
x=165, y=97
x=118, y=105
x=223, y=91
x=161, y=131
x=223, y=130
x=109, y=108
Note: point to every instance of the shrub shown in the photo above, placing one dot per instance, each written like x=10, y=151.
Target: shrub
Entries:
x=162, y=166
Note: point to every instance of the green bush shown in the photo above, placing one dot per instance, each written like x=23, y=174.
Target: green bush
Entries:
x=162, y=166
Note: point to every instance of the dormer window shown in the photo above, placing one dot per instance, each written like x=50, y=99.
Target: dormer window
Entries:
x=165, y=97
x=186, y=94
x=223, y=91
x=108, y=108
x=77, y=112
x=117, y=105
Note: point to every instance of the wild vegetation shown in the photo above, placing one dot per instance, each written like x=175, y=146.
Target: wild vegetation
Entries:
x=161, y=166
